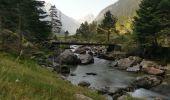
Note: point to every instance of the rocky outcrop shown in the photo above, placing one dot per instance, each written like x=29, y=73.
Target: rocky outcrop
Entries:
x=86, y=59
x=68, y=58
x=136, y=64
x=84, y=84
x=152, y=68
x=98, y=50
x=146, y=82
x=123, y=64
x=154, y=71
x=127, y=63
x=81, y=50
x=164, y=88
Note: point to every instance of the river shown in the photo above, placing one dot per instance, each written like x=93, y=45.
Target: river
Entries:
x=108, y=77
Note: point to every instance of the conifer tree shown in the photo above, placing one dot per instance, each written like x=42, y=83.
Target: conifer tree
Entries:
x=55, y=20
x=108, y=24
x=146, y=24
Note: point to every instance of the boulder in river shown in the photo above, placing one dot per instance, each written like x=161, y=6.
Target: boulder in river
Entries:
x=146, y=64
x=81, y=50
x=127, y=63
x=146, y=82
x=152, y=68
x=154, y=71
x=123, y=64
x=86, y=59
x=164, y=88
x=84, y=84
x=68, y=58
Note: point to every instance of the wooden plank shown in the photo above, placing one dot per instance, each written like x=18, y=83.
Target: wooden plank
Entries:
x=76, y=43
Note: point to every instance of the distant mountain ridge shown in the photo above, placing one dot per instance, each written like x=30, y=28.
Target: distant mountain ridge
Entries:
x=124, y=10
x=89, y=18
x=68, y=23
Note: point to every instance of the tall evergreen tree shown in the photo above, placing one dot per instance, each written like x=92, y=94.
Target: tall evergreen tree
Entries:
x=66, y=33
x=108, y=24
x=84, y=30
x=146, y=24
x=163, y=12
x=55, y=20
x=27, y=14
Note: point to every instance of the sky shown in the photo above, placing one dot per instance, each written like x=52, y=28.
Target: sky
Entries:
x=78, y=9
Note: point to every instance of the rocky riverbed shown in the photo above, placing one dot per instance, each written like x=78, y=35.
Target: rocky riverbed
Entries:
x=114, y=75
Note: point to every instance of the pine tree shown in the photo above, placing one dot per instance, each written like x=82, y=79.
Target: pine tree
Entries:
x=55, y=20
x=66, y=33
x=146, y=24
x=108, y=24
x=163, y=13
x=84, y=30
x=26, y=14
x=152, y=22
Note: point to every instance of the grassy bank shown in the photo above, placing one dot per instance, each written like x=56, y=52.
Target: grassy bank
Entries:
x=25, y=80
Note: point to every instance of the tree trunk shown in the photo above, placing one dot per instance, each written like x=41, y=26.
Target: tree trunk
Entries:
x=20, y=34
x=108, y=36
x=155, y=42
x=1, y=33
x=20, y=47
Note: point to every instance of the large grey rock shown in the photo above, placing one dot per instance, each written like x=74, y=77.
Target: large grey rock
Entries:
x=164, y=88
x=82, y=97
x=81, y=50
x=86, y=59
x=128, y=62
x=154, y=71
x=123, y=64
x=68, y=58
x=146, y=82
x=152, y=68
x=137, y=60
x=146, y=64
x=99, y=50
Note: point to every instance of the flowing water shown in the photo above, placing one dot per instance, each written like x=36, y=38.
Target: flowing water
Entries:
x=108, y=77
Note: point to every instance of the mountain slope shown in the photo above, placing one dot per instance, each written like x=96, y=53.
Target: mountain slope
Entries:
x=68, y=23
x=89, y=18
x=124, y=10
